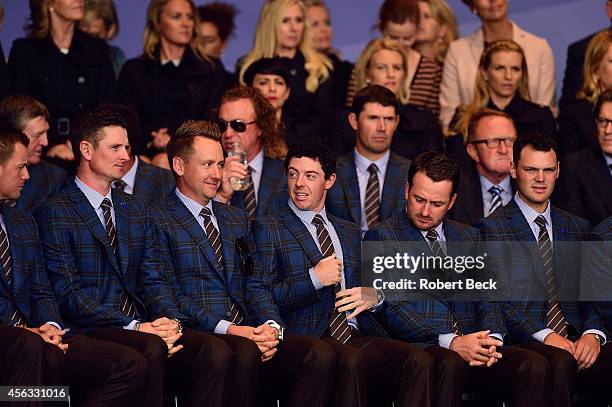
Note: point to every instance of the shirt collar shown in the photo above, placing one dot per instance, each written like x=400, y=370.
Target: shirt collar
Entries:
x=308, y=216
x=439, y=230
x=130, y=177
x=257, y=162
x=94, y=197
x=363, y=163
x=506, y=185
x=531, y=214
x=608, y=159
x=194, y=207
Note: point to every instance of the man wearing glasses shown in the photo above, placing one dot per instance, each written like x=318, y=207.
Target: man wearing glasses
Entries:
x=486, y=186
x=246, y=117
x=585, y=184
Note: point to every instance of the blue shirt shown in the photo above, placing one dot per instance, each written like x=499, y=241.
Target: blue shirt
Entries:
x=485, y=185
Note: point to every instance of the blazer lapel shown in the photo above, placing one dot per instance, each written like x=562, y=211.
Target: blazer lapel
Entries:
x=122, y=219
x=391, y=188
x=18, y=252
x=267, y=185
x=476, y=45
x=301, y=235
x=228, y=240
x=347, y=174
x=142, y=180
x=351, y=279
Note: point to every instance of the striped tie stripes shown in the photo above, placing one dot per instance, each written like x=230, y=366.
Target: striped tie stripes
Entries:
x=436, y=248
x=339, y=328
x=250, y=200
x=5, y=257
x=127, y=305
x=214, y=237
x=555, y=319
x=496, y=199
x=372, y=198
x=119, y=184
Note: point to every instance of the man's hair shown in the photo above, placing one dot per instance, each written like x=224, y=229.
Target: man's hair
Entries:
x=317, y=149
x=181, y=142
x=9, y=136
x=536, y=140
x=131, y=121
x=437, y=166
x=605, y=97
x=89, y=126
x=480, y=114
x=373, y=94
x=17, y=110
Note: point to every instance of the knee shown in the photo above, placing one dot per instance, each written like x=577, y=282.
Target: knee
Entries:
x=154, y=349
x=134, y=367
x=563, y=363
x=452, y=365
x=215, y=355
x=31, y=344
x=536, y=367
x=352, y=362
x=247, y=356
x=417, y=360
x=321, y=356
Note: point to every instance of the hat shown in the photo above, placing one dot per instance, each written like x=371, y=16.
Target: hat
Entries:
x=267, y=66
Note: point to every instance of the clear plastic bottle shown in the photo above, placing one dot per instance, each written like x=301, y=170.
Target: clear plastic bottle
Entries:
x=239, y=184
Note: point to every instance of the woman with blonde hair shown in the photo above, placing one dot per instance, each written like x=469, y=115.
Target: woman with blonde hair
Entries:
x=172, y=80
x=282, y=31
x=384, y=63
x=437, y=29
x=577, y=129
x=61, y=66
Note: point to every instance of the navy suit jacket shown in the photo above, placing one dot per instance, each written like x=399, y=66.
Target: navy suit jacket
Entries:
x=343, y=199
x=152, y=183
x=287, y=252
x=87, y=276
x=524, y=318
x=203, y=289
x=272, y=194
x=46, y=180
x=603, y=232
x=423, y=321
x=30, y=292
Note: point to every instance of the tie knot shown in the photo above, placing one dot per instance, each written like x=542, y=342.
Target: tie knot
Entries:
x=432, y=235
x=106, y=204
x=205, y=212
x=373, y=169
x=119, y=184
x=7, y=202
x=541, y=222
x=495, y=190
x=318, y=220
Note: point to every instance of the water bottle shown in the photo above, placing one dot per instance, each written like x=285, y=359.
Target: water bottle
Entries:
x=239, y=184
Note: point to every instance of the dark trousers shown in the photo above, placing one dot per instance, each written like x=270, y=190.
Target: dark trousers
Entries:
x=381, y=366
x=519, y=375
x=565, y=379
x=200, y=366
x=99, y=373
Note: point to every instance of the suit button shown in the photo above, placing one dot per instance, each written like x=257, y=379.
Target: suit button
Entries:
x=81, y=80
x=228, y=314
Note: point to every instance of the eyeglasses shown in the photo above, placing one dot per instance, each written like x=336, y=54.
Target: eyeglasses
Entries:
x=238, y=125
x=494, y=142
x=602, y=122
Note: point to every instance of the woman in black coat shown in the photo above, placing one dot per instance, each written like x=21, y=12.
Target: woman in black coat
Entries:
x=172, y=81
x=66, y=69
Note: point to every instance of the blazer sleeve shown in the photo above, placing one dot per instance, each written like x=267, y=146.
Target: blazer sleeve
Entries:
x=573, y=75
x=18, y=68
x=450, y=97
x=545, y=94
x=568, y=193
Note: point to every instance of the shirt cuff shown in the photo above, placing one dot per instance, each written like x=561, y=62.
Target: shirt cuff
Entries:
x=598, y=332
x=315, y=280
x=376, y=306
x=222, y=326
x=444, y=340
x=59, y=328
x=131, y=325
x=541, y=335
x=498, y=336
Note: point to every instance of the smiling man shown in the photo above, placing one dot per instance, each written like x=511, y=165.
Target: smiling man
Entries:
x=32, y=117
x=369, y=185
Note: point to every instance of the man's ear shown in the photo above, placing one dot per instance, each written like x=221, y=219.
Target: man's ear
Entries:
x=86, y=149
x=353, y=121
x=330, y=181
x=470, y=148
x=178, y=165
x=452, y=201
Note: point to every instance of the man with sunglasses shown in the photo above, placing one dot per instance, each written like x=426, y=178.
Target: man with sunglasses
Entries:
x=487, y=184
x=245, y=116
x=585, y=184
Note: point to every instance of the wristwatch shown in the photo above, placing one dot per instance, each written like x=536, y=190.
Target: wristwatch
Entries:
x=280, y=329
x=600, y=339
x=380, y=297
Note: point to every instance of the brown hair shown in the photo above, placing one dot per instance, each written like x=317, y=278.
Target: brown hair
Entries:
x=437, y=166
x=104, y=10
x=594, y=57
x=221, y=15
x=181, y=142
x=9, y=136
x=398, y=12
x=90, y=125
x=605, y=97
x=39, y=23
x=17, y=110
x=265, y=118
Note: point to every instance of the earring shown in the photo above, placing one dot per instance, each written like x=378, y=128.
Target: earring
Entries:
x=367, y=81
x=52, y=9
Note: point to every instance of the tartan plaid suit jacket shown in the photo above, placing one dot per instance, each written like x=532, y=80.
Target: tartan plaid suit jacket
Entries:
x=152, y=183
x=86, y=274
x=45, y=181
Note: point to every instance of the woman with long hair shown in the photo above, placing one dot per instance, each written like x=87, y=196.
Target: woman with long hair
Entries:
x=577, y=129
x=61, y=66
x=437, y=29
x=172, y=80
x=383, y=62
x=282, y=31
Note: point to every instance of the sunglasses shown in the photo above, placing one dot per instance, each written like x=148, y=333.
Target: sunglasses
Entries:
x=238, y=125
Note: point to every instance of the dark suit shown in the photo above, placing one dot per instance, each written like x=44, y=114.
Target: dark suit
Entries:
x=152, y=183
x=99, y=372
x=5, y=82
x=287, y=251
x=584, y=187
x=527, y=317
x=66, y=84
x=577, y=128
x=206, y=290
x=424, y=321
x=574, y=75
x=46, y=180
x=89, y=280
x=529, y=116
x=602, y=233
x=418, y=131
x=272, y=193
x=343, y=199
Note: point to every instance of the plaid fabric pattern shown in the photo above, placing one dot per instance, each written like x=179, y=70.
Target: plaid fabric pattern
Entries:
x=152, y=183
x=45, y=181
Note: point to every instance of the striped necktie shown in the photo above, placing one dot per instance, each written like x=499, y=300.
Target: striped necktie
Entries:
x=214, y=238
x=496, y=199
x=372, y=197
x=555, y=319
x=339, y=328
x=250, y=201
x=120, y=185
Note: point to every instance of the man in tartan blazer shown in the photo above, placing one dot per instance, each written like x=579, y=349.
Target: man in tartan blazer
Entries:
x=451, y=330
x=103, y=263
x=226, y=294
x=314, y=291
x=263, y=144
x=602, y=234
x=38, y=350
x=32, y=117
x=572, y=343
x=374, y=119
